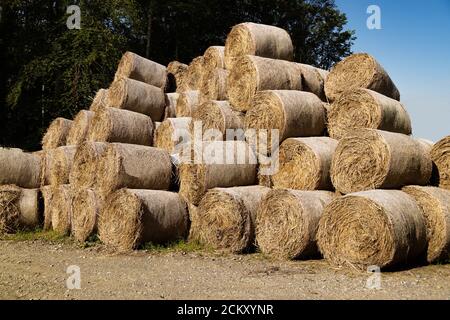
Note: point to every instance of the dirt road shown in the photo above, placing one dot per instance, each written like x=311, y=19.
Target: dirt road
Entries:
x=37, y=270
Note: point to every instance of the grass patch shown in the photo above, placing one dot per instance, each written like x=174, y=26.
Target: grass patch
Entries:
x=38, y=234
x=177, y=246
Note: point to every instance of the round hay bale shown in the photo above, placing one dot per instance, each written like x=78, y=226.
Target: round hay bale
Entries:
x=313, y=80
x=214, y=58
x=133, y=217
x=19, y=168
x=187, y=103
x=435, y=204
x=293, y=113
x=47, y=167
x=172, y=132
x=177, y=76
x=305, y=164
x=251, y=74
x=133, y=166
x=384, y=228
x=86, y=206
x=61, y=160
x=287, y=222
x=363, y=108
x=359, y=71
x=218, y=115
x=194, y=74
x=47, y=196
x=139, y=97
x=56, y=135
x=214, y=86
x=426, y=144
x=226, y=217
x=80, y=128
x=194, y=223
x=171, y=105
x=373, y=159
x=85, y=164
x=216, y=164
x=116, y=125
x=19, y=209
x=264, y=179
x=100, y=100
x=440, y=155
x=61, y=209
x=257, y=40
x=141, y=69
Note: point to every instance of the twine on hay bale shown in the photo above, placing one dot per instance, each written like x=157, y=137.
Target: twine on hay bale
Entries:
x=100, y=100
x=364, y=108
x=61, y=209
x=56, y=135
x=171, y=105
x=214, y=85
x=171, y=133
x=133, y=217
x=86, y=206
x=177, y=76
x=384, y=228
x=61, y=160
x=187, y=103
x=194, y=73
x=287, y=222
x=80, y=128
x=441, y=157
x=373, y=159
x=47, y=196
x=19, y=168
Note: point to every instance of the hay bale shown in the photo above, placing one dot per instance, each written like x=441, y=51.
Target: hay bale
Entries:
x=47, y=196
x=374, y=159
x=139, y=97
x=426, y=144
x=80, y=127
x=61, y=160
x=313, y=80
x=86, y=206
x=19, y=209
x=364, y=108
x=359, y=71
x=384, y=228
x=133, y=217
x=177, y=76
x=440, y=155
x=293, y=113
x=61, y=209
x=226, y=217
x=85, y=164
x=214, y=85
x=171, y=105
x=101, y=99
x=171, y=133
x=218, y=115
x=287, y=222
x=257, y=40
x=133, y=166
x=194, y=223
x=56, y=135
x=194, y=74
x=214, y=58
x=116, y=125
x=19, y=168
x=264, y=180
x=305, y=164
x=216, y=164
x=187, y=103
x=141, y=69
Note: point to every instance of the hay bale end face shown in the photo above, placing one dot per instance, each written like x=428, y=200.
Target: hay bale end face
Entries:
x=373, y=159
x=441, y=157
x=384, y=228
x=287, y=222
x=86, y=207
x=177, y=76
x=214, y=85
x=214, y=58
x=187, y=103
x=56, y=135
x=80, y=128
x=61, y=209
x=171, y=133
x=194, y=73
x=61, y=160
x=171, y=105
x=435, y=204
x=47, y=196
x=133, y=217
x=100, y=100
x=19, y=168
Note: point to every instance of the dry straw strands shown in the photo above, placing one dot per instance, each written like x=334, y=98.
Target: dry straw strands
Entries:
x=313, y=80
x=359, y=71
x=214, y=58
x=138, y=68
x=56, y=135
x=101, y=99
x=47, y=196
x=19, y=208
x=441, y=157
x=384, y=228
x=133, y=166
x=194, y=226
x=133, y=217
x=287, y=222
x=194, y=73
x=61, y=160
x=19, y=168
x=85, y=164
x=226, y=217
x=116, y=125
x=258, y=40
x=177, y=76
x=187, y=103
x=305, y=164
x=61, y=209
x=214, y=85
x=374, y=159
x=139, y=97
x=435, y=204
x=80, y=127
x=364, y=108
x=86, y=206
x=171, y=133
x=217, y=164
x=171, y=105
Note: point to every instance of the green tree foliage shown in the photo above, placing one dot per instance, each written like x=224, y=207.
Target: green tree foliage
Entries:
x=49, y=71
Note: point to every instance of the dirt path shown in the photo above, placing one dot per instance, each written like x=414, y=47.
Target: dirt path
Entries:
x=37, y=270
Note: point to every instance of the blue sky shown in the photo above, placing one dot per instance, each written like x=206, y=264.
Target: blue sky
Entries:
x=414, y=47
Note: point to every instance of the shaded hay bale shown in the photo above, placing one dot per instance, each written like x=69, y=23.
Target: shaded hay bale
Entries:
x=61, y=160
x=171, y=133
x=177, y=76
x=171, y=105
x=187, y=103
x=194, y=73
x=359, y=71
x=214, y=85
x=363, y=108
x=374, y=159
x=80, y=127
x=86, y=207
x=194, y=223
x=226, y=217
x=133, y=217
x=305, y=164
x=56, y=135
x=61, y=209
x=287, y=222
x=441, y=157
x=85, y=164
x=100, y=100
x=384, y=228
x=47, y=196
x=19, y=168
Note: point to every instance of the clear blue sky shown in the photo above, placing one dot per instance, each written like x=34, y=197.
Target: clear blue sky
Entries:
x=414, y=47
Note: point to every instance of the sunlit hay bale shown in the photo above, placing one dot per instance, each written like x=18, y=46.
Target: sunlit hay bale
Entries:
x=195, y=73
x=80, y=128
x=61, y=164
x=172, y=132
x=441, y=157
x=85, y=164
x=187, y=103
x=86, y=207
x=56, y=135
x=19, y=168
x=100, y=100
x=61, y=209
x=214, y=85
x=214, y=58
x=177, y=76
